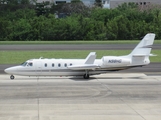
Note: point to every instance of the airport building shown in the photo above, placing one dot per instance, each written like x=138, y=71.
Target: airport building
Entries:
x=109, y=3
x=143, y=3
x=86, y=2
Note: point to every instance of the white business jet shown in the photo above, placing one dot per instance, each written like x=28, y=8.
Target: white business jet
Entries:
x=86, y=67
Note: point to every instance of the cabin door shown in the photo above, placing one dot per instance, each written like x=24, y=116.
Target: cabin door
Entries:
x=38, y=67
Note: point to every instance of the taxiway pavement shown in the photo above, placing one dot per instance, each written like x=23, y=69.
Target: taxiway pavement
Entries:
x=74, y=47
x=121, y=96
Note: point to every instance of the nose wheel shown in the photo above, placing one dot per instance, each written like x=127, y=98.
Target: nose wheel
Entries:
x=12, y=77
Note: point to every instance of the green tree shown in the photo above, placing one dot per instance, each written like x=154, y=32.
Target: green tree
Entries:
x=25, y=2
x=127, y=6
x=98, y=3
x=3, y=31
x=42, y=8
x=75, y=1
x=20, y=30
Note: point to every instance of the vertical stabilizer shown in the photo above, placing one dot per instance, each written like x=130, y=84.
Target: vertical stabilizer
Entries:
x=140, y=54
x=145, y=46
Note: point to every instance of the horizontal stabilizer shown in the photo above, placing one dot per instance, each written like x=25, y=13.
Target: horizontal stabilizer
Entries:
x=143, y=55
x=90, y=58
x=139, y=55
x=152, y=55
x=83, y=67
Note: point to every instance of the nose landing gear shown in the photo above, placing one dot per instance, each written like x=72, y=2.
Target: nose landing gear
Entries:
x=12, y=77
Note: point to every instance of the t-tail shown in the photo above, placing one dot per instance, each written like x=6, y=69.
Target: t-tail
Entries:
x=140, y=54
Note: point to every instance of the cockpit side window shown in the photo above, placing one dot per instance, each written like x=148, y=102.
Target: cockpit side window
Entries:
x=30, y=64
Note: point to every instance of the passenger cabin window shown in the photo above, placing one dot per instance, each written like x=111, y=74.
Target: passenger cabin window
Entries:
x=52, y=64
x=59, y=65
x=45, y=64
x=70, y=64
x=65, y=65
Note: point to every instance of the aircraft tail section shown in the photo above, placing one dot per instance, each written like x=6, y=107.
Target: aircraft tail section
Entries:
x=140, y=54
x=145, y=46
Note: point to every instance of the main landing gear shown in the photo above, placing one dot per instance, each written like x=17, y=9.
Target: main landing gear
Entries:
x=12, y=77
x=86, y=75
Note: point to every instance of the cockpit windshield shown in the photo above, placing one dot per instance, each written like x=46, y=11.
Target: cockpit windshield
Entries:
x=27, y=64
x=24, y=64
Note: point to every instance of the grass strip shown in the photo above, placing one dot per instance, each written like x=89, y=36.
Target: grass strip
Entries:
x=17, y=57
x=73, y=42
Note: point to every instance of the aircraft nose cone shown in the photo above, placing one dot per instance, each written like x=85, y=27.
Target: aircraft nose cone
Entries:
x=10, y=70
x=7, y=70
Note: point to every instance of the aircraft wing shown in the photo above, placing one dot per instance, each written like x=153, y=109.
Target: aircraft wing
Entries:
x=88, y=64
x=83, y=67
x=90, y=58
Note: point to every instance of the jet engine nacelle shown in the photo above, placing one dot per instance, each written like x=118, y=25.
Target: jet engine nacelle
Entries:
x=115, y=61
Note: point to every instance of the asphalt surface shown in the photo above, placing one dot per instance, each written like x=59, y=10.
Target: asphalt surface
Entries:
x=74, y=47
x=103, y=97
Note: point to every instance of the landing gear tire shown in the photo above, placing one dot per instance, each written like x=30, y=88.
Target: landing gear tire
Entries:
x=86, y=76
x=12, y=77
